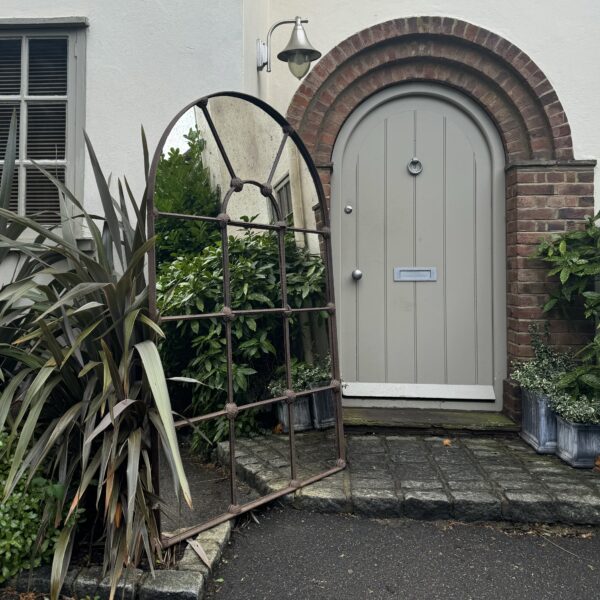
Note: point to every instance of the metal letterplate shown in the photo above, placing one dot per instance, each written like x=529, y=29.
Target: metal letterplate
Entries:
x=415, y=274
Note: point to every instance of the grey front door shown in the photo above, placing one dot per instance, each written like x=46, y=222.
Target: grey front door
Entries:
x=414, y=214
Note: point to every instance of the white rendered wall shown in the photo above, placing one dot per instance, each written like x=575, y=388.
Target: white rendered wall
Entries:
x=145, y=61
x=562, y=37
x=256, y=24
x=252, y=140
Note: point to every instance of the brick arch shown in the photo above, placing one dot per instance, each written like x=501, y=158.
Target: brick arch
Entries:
x=496, y=74
x=547, y=190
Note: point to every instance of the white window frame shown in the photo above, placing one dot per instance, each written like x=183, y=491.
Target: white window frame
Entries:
x=74, y=30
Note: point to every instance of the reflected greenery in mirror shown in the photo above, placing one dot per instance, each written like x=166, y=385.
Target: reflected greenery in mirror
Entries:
x=183, y=186
x=196, y=349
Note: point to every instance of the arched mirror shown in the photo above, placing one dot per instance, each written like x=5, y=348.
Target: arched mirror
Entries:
x=241, y=284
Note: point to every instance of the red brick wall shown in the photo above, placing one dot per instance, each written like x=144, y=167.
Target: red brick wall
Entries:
x=547, y=191
x=541, y=199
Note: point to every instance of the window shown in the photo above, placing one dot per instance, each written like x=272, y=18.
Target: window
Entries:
x=39, y=77
x=283, y=193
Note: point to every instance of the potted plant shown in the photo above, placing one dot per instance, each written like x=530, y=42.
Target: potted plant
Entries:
x=277, y=387
x=539, y=379
x=321, y=402
x=574, y=258
x=315, y=410
x=578, y=428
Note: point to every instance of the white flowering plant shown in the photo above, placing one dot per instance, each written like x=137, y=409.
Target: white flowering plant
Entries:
x=304, y=375
x=583, y=409
x=543, y=372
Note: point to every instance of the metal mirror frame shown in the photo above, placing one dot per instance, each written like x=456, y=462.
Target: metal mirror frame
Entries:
x=224, y=221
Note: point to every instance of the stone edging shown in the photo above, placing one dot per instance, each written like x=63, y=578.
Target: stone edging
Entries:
x=184, y=583
x=339, y=494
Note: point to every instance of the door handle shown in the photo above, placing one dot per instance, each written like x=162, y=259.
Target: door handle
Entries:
x=357, y=274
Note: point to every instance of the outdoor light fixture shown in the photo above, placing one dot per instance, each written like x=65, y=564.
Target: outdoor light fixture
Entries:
x=298, y=54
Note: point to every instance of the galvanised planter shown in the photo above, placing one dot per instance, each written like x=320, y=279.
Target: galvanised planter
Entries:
x=323, y=407
x=302, y=416
x=538, y=422
x=578, y=444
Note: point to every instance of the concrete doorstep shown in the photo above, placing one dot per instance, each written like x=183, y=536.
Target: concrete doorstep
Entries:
x=425, y=477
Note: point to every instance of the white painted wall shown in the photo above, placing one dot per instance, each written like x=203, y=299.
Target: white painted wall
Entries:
x=256, y=24
x=252, y=139
x=563, y=38
x=146, y=59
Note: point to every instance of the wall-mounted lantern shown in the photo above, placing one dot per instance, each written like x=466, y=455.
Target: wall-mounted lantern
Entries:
x=298, y=53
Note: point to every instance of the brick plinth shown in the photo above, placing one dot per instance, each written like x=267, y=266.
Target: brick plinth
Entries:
x=541, y=199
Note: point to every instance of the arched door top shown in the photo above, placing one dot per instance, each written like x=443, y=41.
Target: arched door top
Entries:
x=490, y=70
x=474, y=112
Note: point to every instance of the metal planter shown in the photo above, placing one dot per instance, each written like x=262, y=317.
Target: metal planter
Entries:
x=302, y=416
x=323, y=408
x=538, y=422
x=578, y=444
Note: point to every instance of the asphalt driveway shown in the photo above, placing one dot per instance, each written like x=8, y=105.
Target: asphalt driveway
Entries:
x=303, y=555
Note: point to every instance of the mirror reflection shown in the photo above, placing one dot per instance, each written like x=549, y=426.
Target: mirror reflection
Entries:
x=229, y=156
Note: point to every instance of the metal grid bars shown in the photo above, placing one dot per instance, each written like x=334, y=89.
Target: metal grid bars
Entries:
x=231, y=410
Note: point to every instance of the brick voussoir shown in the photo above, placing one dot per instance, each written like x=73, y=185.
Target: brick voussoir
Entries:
x=481, y=47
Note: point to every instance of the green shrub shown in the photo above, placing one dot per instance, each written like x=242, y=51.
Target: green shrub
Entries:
x=20, y=517
x=183, y=186
x=575, y=257
x=543, y=372
x=196, y=348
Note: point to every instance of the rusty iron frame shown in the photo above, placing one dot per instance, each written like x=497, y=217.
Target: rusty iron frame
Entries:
x=223, y=220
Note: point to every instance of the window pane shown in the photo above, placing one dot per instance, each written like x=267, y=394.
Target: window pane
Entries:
x=48, y=67
x=46, y=125
x=6, y=111
x=10, y=66
x=284, y=195
x=14, y=190
x=41, y=195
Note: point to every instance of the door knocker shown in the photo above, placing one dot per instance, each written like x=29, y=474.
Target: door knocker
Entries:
x=415, y=166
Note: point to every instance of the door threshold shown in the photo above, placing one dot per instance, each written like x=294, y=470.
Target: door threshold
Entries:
x=363, y=420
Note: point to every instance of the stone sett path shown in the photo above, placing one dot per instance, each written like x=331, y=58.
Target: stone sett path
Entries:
x=471, y=479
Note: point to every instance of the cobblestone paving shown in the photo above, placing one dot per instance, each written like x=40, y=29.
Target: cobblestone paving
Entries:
x=473, y=478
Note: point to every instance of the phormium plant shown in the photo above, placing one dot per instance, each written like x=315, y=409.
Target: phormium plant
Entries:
x=83, y=382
